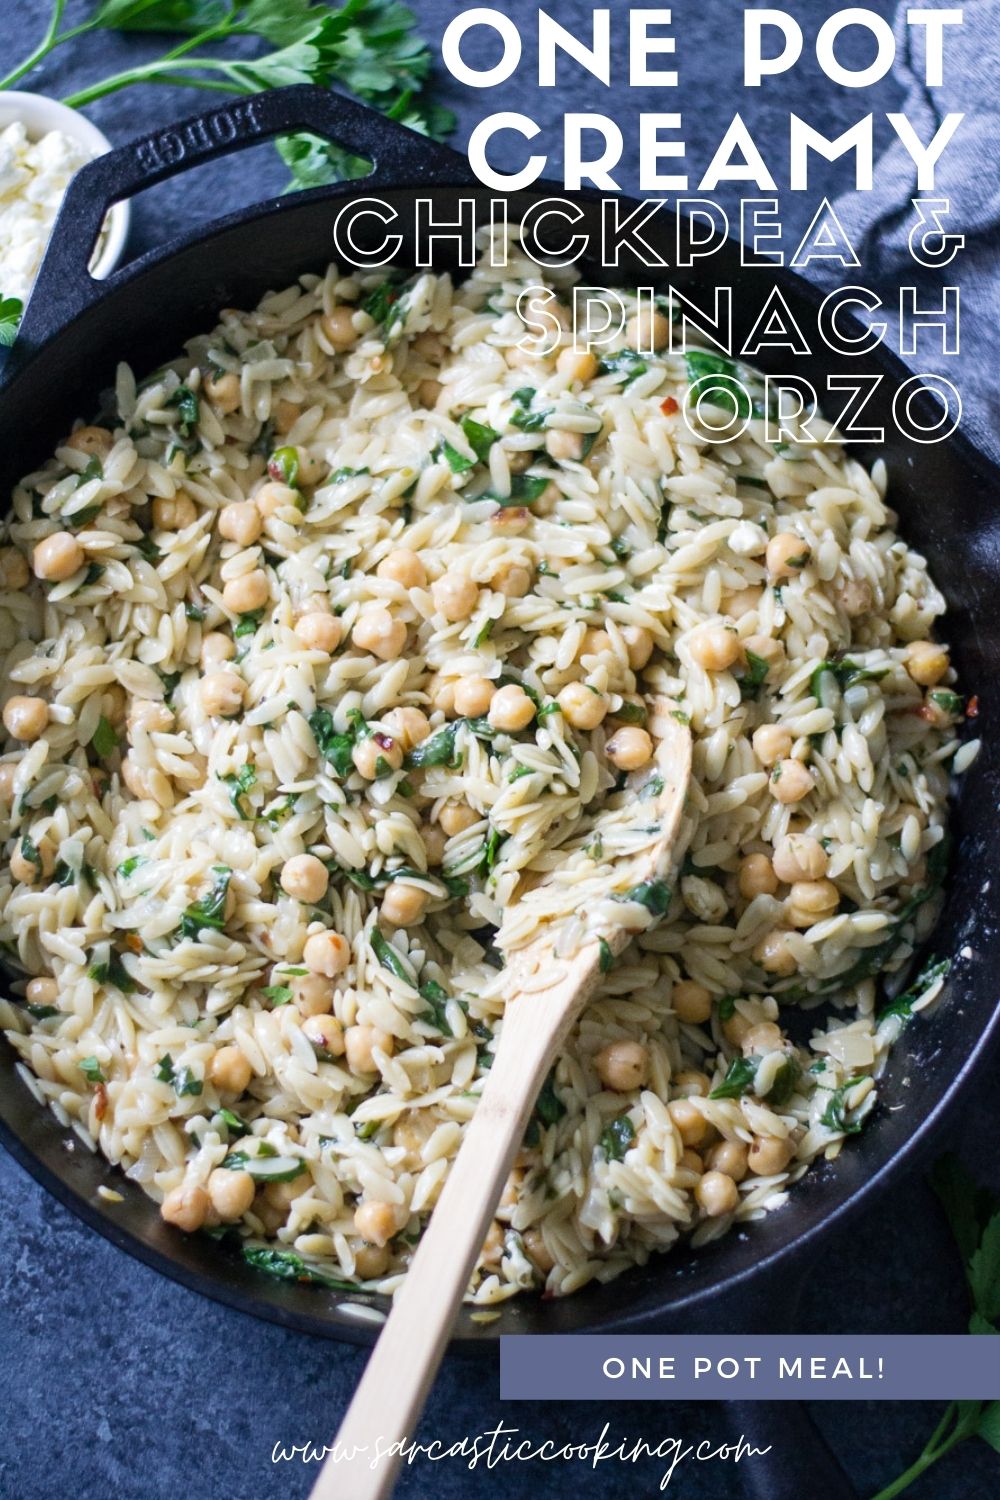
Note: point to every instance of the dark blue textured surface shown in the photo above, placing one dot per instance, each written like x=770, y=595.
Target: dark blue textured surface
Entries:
x=115, y=1382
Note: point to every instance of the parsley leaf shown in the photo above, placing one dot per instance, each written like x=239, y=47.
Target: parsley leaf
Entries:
x=11, y=309
x=210, y=910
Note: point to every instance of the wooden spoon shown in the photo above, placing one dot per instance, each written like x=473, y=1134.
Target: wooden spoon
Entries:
x=388, y=1401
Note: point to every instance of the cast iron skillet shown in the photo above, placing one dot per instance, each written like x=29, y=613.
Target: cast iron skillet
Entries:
x=74, y=332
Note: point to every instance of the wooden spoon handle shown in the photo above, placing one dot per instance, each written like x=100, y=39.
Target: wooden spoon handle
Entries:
x=388, y=1402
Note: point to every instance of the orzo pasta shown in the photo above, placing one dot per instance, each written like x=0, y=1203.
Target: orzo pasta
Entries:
x=325, y=639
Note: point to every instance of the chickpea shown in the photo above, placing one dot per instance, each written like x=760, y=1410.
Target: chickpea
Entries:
x=222, y=693
x=456, y=817
x=639, y=645
x=339, y=330
x=799, y=856
x=174, y=514
x=312, y=994
x=648, y=329
x=14, y=570
x=216, y=647
x=629, y=748
x=25, y=719
x=241, y=596
x=404, y=567
x=774, y=954
x=762, y=1038
x=96, y=442
x=375, y=1222
x=231, y=1193
x=377, y=755
x=42, y=991
x=729, y=1157
x=691, y=1083
x=149, y=716
x=493, y=1245
x=8, y=771
x=511, y=709
x=273, y=497
x=511, y=580
x=409, y=726
x=578, y=364
x=771, y=743
x=756, y=877
x=692, y=1002
x=223, y=391
x=376, y=631
x=454, y=597
x=306, y=878
x=280, y=1196
x=689, y=1122
x=810, y=901
x=766, y=647
x=230, y=1070
x=581, y=706
x=856, y=597
x=57, y=557
x=319, y=631
x=186, y=1207
x=790, y=781
x=741, y=602
x=371, y=1261
x=717, y=1194
x=429, y=392
x=595, y=643
x=769, y=1154
x=715, y=648
x=286, y=414
x=429, y=346
x=326, y=1034
x=403, y=905
x=786, y=555
x=411, y=1133
x=28, y=870
x=312, y=468
x=473, y=696
x=736, y=1028
x=538, y=1251
x=691, y=1161
x=564, y=446
x=240, y=522
x=434, y=843
x=623, y=1066
x=442, y=694
x=326, y=952
x=926, y=662
x=360, y=1043
x=146, y=783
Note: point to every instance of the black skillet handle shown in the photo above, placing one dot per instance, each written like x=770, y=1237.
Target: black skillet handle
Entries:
x=399, y=156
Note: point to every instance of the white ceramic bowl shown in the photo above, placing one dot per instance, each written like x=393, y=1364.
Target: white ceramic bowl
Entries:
x=39, y=115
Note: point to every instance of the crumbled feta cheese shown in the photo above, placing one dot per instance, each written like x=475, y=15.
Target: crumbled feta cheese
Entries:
x=34, y=175
x=747, y=539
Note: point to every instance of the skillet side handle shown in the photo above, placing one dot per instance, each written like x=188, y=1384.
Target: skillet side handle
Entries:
x=65, y=288
x=799, y=1462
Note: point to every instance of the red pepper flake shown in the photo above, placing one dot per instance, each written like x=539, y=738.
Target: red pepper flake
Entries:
x=100, y=1101
x=669, y=406
x=133, y=942
x=972, y=707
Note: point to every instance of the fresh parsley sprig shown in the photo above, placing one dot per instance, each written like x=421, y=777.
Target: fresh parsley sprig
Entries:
x=974, y=1216
x=369, y=47
x=11, y=309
